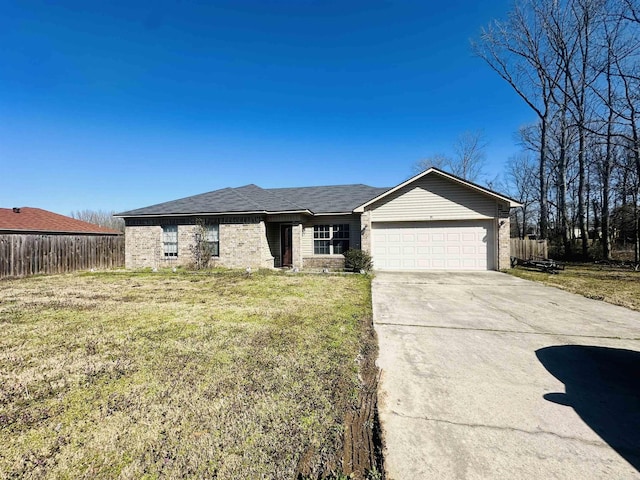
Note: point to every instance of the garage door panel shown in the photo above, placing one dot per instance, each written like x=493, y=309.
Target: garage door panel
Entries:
x=468, y=263
x=455, y=245
x=469, y=250
x=453, y=264
x=422, y=263
x=438, y=264
x=394, y=263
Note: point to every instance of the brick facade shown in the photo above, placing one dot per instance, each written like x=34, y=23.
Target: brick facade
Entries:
x=365, y=231
x=241, y=246
x=296, y=245
x=504, y=243
x=332, y=262
x=143, y=246
x=244, y=245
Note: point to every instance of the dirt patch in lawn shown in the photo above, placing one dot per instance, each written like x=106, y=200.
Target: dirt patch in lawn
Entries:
x=361, y=455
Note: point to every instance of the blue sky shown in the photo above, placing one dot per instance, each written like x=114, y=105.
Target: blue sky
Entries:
x=119, y=105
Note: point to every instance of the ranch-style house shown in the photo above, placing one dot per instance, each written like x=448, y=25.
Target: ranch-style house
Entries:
x=433, y=221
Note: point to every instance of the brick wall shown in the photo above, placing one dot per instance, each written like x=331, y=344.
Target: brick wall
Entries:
x=334, y=262
x=143, y=246
x=241, y=246
x=186, y=241
x=296, y=243
x=244, y=245
x=365, y=231
x=504, y=243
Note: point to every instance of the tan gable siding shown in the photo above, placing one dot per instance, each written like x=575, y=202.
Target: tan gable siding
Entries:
x=307, y=233
x=433, y=198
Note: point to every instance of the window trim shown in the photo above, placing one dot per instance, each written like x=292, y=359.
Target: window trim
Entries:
x=209, y=229
x=166, y=231
x=328, y=235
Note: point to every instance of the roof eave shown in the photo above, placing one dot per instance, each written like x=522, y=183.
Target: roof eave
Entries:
x=54, y=232
x=248, y=212
x=320, y=214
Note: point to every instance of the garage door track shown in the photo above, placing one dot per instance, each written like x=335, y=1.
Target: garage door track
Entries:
x=485, y=375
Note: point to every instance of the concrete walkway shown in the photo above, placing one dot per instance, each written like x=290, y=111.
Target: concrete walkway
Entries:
x=485, y=375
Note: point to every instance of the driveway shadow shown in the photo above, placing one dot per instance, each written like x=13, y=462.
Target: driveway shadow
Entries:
x=603, y=387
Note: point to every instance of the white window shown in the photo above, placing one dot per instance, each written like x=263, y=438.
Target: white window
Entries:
x=170, y=240
x=330, y=239
x=212, y=237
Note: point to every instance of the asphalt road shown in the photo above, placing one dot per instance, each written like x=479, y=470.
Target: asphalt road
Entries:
x=485, y=375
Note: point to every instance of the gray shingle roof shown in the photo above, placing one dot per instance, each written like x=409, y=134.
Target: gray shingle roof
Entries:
x=331, y=199
x=251, y=198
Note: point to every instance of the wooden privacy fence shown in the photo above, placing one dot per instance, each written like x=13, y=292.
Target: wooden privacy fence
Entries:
x=22, y=255
x=526, y=249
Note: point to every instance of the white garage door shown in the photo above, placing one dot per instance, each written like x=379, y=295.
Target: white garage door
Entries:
x=459, y=245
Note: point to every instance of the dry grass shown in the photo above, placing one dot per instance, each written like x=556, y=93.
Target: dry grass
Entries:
x=620, y=286
x=118, y=375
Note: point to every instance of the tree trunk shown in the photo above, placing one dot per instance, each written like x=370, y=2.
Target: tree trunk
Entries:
x=636, y=226
x=544, y=214
x=596, y=219
x=581, y=187
x=606, y=218
x=636, y=198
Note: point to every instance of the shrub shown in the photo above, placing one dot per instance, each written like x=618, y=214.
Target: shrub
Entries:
x=595, y=250
x=201, y=249
x=357, y=260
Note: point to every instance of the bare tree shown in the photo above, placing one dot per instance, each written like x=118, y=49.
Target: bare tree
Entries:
x=437, y=160
x=571, y=27
x=202, y=248
x=102, y=218
x=631, y=10
x=518, y=51
x=468, y=157
x=604, y=160
x=521, y=173
x=576, y=64
x=623, y=97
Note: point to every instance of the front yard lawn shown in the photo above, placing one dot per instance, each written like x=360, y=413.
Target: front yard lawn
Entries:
x=620, y=286
x=165, y=375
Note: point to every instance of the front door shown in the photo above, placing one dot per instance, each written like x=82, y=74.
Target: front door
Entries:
x=285, y=245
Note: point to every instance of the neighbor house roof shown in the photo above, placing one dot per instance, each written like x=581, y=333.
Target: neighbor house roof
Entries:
x=434, y=171
x=254, y=199
x=36, y=220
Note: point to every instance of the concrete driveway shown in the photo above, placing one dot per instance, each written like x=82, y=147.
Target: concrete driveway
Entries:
x=485, y=375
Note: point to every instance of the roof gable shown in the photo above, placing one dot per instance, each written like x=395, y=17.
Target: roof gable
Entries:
x=447, y=176
x=27, y=219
